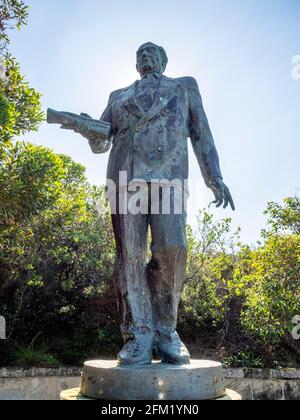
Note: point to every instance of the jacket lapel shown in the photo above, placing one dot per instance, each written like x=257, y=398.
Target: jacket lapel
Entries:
x=130, y=102
x=164, y=94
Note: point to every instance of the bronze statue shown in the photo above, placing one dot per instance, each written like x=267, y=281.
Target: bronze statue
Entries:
x=149, y=126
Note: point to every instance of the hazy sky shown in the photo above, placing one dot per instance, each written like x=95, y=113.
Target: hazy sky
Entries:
x=77, y=51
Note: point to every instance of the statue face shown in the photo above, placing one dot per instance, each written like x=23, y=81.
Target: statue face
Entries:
x=149, y=60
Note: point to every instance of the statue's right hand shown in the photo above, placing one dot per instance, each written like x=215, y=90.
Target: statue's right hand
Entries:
x=222, y=193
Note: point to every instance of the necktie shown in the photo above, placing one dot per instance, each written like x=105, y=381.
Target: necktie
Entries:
x=146, y=91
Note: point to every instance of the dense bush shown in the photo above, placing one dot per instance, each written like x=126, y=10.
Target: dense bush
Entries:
x=211, y=260
x=56, y=255
x=272, y=295
x=268, y=282
x=245, y=299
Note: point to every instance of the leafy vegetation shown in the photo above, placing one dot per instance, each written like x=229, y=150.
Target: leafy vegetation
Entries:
x=20, y=108
x=246, y=298
x=56, y=261
x=211, y=259
x=56, y=252
x=13, y=13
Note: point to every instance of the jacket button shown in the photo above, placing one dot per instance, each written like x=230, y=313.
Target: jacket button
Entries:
x=160, y=149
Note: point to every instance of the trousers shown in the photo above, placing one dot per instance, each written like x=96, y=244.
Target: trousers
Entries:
x=149, y=280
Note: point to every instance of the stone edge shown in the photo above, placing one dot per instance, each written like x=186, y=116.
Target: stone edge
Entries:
x=229, y=373
x=40, y=372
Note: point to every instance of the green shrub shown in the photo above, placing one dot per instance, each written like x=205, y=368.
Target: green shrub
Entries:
x=272, y=295
x=29, y=357
x=211, y=262
x=20, y=106
x=56, y=254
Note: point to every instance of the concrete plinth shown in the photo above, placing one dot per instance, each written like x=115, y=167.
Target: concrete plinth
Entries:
x=104, y=380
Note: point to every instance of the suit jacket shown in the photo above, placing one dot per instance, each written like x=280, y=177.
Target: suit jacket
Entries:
x=153, y=145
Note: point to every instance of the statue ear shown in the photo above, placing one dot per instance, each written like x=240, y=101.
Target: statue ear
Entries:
x=163, y=65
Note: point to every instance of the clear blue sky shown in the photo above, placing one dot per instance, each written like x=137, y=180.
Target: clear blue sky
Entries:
x=77, y=51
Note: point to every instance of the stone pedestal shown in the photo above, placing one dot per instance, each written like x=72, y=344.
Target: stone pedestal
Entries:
x=104, y=380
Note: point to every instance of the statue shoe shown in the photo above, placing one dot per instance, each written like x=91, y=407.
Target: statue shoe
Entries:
x=170, y=349
x=137, y=352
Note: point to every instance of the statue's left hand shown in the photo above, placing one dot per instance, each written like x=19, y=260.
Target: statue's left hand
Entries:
x=222, y=193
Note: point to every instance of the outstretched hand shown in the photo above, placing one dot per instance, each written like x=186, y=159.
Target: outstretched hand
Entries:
x=222, y=194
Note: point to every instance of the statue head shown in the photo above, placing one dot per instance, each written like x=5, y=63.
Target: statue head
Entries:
x=151, y=58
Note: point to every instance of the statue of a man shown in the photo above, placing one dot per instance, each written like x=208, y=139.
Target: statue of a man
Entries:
x=151, y=122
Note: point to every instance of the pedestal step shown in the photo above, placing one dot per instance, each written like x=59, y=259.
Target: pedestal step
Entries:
x=74, y=395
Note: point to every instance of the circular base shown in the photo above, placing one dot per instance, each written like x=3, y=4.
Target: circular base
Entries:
x=74, y=395
x=201, y=380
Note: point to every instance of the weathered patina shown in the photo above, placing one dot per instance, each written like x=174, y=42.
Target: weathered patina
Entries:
x=151, y=121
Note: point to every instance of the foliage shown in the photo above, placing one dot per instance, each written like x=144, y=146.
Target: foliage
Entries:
x=20, y=107
x=31, y=180
x=284, y=218
x=210, y=265
x=13, y=13
x=29, y=357
x=7, y=117
x=274, y=296
x=249, y=297
x=56, y=254
x=267, y=280
x=244, y=359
